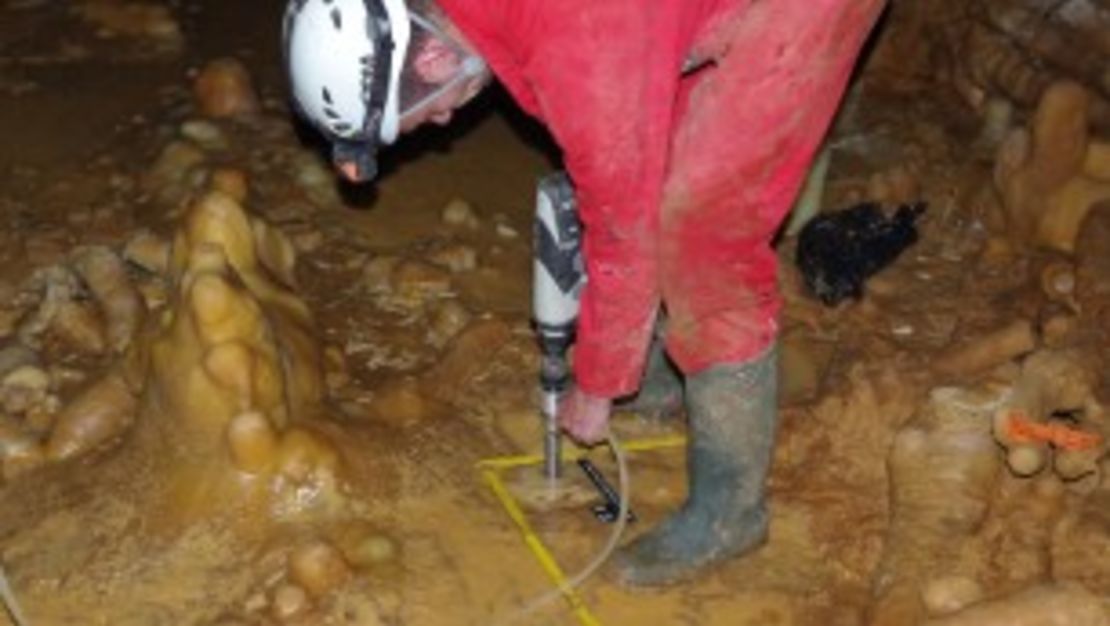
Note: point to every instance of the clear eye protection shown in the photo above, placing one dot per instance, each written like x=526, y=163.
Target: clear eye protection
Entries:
x=416, y=93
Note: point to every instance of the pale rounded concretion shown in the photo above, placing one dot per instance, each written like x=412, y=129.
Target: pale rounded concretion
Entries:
x=1074, y=465
x=304, y=458
x=289, y=601
x=449, y=319
x=1025, y=460
x=27, y=377
x=1058, y=281
x=946, y=595
x=223, y=88
x=375, y=549
x=205, y=134
x=318, y=567
x=458, y=212
x=252, y=441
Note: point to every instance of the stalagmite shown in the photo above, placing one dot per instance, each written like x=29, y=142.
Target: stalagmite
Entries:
x=1053, y=382
x=1040, y=173
x=943, y=468
x=229, y=365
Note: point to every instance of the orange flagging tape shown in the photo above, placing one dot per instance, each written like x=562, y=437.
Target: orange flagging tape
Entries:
x=1024, y=430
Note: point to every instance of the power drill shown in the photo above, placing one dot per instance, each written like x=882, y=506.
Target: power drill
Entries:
x=558, y=278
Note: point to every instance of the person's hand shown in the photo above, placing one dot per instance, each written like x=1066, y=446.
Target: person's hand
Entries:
x=585, y=417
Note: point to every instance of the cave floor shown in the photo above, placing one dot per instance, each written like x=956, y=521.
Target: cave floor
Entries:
x=431, y=369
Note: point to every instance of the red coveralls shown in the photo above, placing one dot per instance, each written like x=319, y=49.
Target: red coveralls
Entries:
x=681, y=182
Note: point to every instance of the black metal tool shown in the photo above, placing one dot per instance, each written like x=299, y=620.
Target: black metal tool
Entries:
x=610, y=508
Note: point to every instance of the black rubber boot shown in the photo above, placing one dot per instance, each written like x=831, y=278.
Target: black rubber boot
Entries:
x=660, y=394
x=732, y=410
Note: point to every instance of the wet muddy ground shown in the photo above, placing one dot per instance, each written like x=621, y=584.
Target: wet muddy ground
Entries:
x=306, y=455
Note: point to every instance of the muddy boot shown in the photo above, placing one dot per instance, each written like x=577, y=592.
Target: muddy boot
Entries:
x=732, y=411
x=660, y=394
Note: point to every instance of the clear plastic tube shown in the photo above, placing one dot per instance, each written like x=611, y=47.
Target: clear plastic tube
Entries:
x=625, y=482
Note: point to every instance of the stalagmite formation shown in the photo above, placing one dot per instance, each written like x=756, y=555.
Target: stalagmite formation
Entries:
x=943, y=468
x=1054, y=417
x=1015, y=49
x=1049, y=177
x=221, y=378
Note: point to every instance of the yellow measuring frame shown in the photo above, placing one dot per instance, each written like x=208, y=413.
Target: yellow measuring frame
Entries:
x=491, y=471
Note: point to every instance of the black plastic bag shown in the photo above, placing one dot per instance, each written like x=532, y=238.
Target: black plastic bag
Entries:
x=838, y=251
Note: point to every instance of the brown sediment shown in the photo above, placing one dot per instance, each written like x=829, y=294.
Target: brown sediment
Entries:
x=209, y=459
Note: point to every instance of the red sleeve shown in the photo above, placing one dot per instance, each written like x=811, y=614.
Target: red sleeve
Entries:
x=605, y=77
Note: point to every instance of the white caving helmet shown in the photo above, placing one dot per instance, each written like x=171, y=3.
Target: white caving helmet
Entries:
x=345, y=60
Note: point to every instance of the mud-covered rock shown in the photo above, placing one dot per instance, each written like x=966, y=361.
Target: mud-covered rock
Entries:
x=378, y=272
x=459, y=213
x=289, y=601
x=98, y=414
x=23, y=388
x=205, y=134
x=148, y=251
x=419, y=281
x=455, y=257
x=447, y=319
x=178, y=171
x=316, y=181
x=223, y=88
